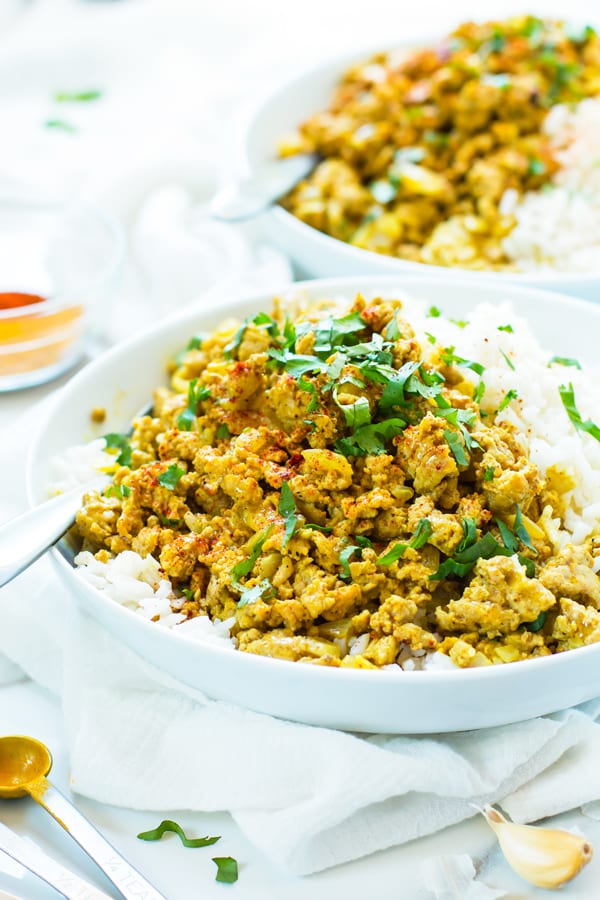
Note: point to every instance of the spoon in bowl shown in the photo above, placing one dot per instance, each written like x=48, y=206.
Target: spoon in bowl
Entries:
x=24, y=764
x=251, y=196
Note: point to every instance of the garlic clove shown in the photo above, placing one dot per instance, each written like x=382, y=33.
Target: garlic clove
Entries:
x=545, y=857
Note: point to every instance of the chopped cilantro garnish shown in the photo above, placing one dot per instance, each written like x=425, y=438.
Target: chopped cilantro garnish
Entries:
x=356, y=414
x=324, y=528
x=479, y=392
x=370, y=439
x=250, y=595
x=393, y=392
x=456, y=448
x=122, y=443
x=469, y=527
x=246, y=565
x=422, y=534
x=508, y=361
x=460, y=323
x=167, y=825
x=188, y=593
x=260, y=319
x=297, y=364
x=489, y=473
x=227, y=869
x=433, y=312
x=510, y=540
x=521, y=532
x=222, y=432
x=536, y=166
x=120, y=491
x=507, y=328
x=194, y=343
x=392, y=332
x=196, y=393
x=287, y=509
x=169, y=523
x=77, y=96
x=60, y=125
x=510, y=395
x=430, y=337
x=567, y=395
x=565, y=361
x=310, y=388
x=345, y=556
x=538, y=623
x=171, y=477
x=363, y=541
x=450, y=358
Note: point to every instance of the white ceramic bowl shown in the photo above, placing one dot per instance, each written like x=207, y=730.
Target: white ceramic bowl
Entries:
x=358, y=700
x=317, y=255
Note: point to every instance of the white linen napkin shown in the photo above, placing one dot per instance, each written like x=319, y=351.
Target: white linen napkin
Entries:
x=308, y=797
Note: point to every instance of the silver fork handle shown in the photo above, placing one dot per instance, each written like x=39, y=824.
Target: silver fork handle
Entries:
x=53, y=873
x=123, y=875
x=28, y=536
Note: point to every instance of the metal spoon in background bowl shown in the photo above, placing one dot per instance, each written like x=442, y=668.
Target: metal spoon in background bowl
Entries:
x=24, y=764
x=246, y=199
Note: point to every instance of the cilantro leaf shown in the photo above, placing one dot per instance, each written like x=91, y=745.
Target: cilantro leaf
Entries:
x=246, y=565
x=565, y=361
x=451, y=359
x=392, y=332
x=538, y=623
x=370, y=439
x=489, y=473
x=171, y=477
x=194, y=343
x=469, y=527
x=195, y=395
x=507, y=328
x=510, y=395
x=287, y=509
x=309, y=388
x=356, y=414
x=297, y=364
x=222, y=432
x=251, y=595
x=168, y=825
x=77, y=96
x=510, y=540
x=345, y=556
x=521, y=532
x=324, y=528
x=508, y=361
x=567, y=395
x=227, y=869
x=60, y=125
x=120, y=491
x=456, y=448
x=423, y=532
x=122, y=443
x=433, y=312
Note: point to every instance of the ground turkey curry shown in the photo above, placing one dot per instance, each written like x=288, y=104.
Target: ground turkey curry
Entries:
x=417, y=150
x=334, y=489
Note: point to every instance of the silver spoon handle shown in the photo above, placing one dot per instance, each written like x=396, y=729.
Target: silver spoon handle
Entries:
x=24, y=539
x=123, y=875
x=53, y=873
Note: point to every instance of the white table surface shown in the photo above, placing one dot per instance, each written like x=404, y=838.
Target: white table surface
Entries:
x=26, y=708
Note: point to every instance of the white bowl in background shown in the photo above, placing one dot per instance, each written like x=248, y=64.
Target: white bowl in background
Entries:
x=317, y=255
x=358, y=700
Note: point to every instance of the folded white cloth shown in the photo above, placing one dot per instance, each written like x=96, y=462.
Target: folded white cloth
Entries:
x=308, y=797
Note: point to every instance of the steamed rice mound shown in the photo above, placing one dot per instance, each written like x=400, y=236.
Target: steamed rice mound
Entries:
x=363, y=485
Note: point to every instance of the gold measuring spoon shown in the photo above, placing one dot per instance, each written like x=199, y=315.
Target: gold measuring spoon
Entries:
x=24, y=764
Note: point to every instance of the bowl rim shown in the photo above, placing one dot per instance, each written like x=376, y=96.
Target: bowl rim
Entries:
x=285, y=219
x=239, y=302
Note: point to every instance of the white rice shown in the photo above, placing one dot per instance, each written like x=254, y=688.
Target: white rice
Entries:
x=538, y=413
x=558, y=228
